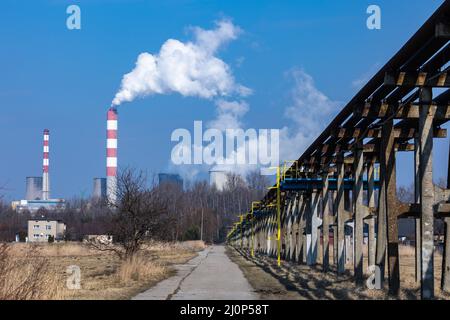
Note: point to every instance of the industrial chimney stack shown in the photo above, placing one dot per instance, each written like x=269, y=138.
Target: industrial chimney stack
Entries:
x=45, y=177
x=111, y=155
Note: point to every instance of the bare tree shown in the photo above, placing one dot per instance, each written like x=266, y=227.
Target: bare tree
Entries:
x=139, y=213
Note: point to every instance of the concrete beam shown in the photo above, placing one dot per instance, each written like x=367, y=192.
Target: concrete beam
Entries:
x=417, y=79
x=405, y=111
x=403, y=133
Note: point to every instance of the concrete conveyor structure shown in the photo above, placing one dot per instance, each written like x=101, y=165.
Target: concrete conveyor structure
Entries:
x=322, y=192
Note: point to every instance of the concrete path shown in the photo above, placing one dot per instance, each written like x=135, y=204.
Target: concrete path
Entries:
x=209, y=276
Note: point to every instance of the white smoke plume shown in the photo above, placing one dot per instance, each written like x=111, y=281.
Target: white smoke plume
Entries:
x=311, y=111
x=188, y=68
x=229, y=114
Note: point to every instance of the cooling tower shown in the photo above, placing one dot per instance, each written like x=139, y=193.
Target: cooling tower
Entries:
x=99, y=191
x=218, y=178
x=33, y=188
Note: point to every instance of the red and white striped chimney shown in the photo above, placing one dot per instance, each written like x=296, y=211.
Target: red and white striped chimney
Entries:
x=111, y=155
x=45, y=165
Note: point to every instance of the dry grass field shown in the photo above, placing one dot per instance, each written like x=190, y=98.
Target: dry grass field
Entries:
x=294, y=281
x=30, y=271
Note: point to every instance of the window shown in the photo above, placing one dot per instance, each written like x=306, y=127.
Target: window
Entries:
x=36, y=235
x=48, y=227
x=36, y=226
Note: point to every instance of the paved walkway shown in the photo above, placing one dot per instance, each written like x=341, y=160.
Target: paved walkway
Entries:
x=209, y=276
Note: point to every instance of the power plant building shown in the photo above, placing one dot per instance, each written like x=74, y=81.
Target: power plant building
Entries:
x=38, y=188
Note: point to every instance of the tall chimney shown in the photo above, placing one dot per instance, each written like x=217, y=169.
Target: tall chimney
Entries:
x=111, y=155
x=45, y=163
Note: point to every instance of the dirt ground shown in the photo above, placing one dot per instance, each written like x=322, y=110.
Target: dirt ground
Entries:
x=103, y=275
x=294, y=281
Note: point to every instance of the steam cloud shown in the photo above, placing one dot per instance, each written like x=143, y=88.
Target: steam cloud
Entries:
x=190, y=68
x=193, y=69
x=310, y=111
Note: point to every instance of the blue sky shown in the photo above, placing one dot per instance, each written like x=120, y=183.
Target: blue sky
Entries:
x=64, y=80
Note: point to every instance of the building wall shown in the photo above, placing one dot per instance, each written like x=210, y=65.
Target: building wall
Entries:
x=40, y=230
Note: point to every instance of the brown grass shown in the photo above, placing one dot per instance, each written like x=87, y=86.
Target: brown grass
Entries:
x=310, y=282
x=140, y=268
x=103, y=275
x=28, y=276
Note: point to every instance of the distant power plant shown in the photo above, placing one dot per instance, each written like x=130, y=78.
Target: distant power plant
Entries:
x=38, y=188
x=171, y=178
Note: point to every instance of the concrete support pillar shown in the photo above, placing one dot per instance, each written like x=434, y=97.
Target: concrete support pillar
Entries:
x=293, y=228
x=301, y=230
x=285, y=227
x=388, y=166
x=371, y=220
x=307, y=228
x=418, y=245
x=300, y=226
x=358, y=208
x=381, y=221
x=427, y=112
x=326, y=223
x=274, y=241
x=266, y=234
x=445, y=282
x=269, y=236
x=340, y=210
x=335, y=228
x=259, y=223
x=349, y=254
x=335, y=245
x=315, y=222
